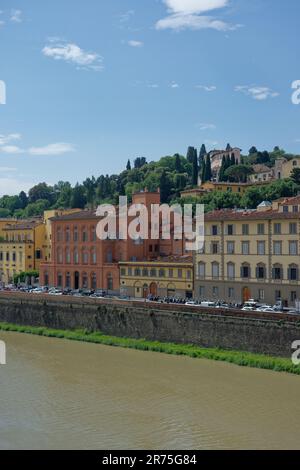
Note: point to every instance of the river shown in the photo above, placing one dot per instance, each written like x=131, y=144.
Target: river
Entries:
x=58, y=394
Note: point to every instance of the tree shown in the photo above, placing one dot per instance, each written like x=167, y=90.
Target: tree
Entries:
x=238, y=173
x=222, y=169
x=23, y=200
x=195, y=172
x=140, y=162
x=164, y=185
x=190, y=154
x=228, y=148
x=78, y=199
x=295, y=175
x=128, y=166
x=178, y=166
x=253, y=150
x=41, y=191
x=208, y=173
x=202, y=152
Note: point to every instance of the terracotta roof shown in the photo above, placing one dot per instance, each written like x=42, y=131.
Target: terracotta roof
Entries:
x=24, y=225
x=82, y=215
x=289, y=201
x=249, y=215
x=260, y=168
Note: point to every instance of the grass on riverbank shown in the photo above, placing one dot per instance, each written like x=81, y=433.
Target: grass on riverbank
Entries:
x=239, y=358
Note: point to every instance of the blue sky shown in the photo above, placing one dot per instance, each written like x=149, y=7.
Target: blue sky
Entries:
x=91, y=84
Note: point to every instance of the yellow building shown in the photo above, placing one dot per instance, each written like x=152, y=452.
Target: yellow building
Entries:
x=251, y=254
x=209, y=187
x=284, y=168
x=166, y=277
x=24, y=244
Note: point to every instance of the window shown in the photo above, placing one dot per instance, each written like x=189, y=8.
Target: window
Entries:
x=245, y=271
x=201, y=270
x=230, y=229
x=76, y=257
x=84, y=236
x=145, y=272
x=230, y=248
x=230, y=292
x=201, y=291
x=261, y=272
x=94, y=281
x=109, y=256
x=68, y=280
x=293, y=296
x=129, y=271
x=137, y=272
x=261, y=294
x=68, y=256
x=67, y=235
x=230, y=271
x=277, y=295
x=293, y=248
x=293, y=273
x=180, y=273
x=58, y=234
x=295, y=209
x=261, y=229
x=245, y=248
x=123, y=272
x=153, y=273
x=189, y=274
x=214, y=230
x=215, y=291
x=75, y=234
x=14, y=257
x=215, y=248
x=94, y=256
x=277, y=273
x=84, y=281
x=285, y=209
x=171, y=273
x=215, y=268
x=277, y=229
x=59, y=256
x=293, y=228
x=85, y=257
x=59, y=280
x=38, y=254
x=245, y=229
x=261, y=248
x=277, y=248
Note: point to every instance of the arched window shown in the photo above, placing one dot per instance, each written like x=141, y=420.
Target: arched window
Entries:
x=84, y=235
x=84, y=281
x=245, y=271
x=201, y=269
x=76, y=256
x=59, y=280
x=68, y=256
x=145, y=272
x=75, y=234
x=85, y=256
x=231, y=271
x=162, y=273
x=293, y=272
x=215, y=270
x=137, y=272
x=277, y=272
x=110, y=282
x=94, y=281
x=59, y=256
x=68, y=234
x=94, y=256
x=58, y=234
x=261, y=271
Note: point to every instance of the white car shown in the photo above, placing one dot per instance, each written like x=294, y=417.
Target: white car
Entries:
x=55, y=292
x=248, y=309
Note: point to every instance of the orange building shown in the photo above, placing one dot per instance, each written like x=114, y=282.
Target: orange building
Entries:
x=80, y=260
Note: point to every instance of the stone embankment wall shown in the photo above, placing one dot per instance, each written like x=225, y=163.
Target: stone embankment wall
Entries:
x=244, y=331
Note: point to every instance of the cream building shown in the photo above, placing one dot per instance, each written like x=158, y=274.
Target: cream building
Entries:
x=251, y=254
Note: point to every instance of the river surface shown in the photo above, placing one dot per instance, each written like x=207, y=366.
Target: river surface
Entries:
x=58, y=394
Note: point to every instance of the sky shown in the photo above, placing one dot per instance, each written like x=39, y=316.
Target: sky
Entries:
x=91, y=84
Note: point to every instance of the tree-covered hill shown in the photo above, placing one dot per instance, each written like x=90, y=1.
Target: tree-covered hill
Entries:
x=172, y=174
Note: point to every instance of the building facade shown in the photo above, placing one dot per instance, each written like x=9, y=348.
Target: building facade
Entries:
x=251, y=254
x=216, y=158
x=166, y=277
x=81, y=260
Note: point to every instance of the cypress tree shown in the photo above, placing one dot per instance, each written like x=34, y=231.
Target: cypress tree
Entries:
x=208, y=173
x=203, y=172
x=195, y=171
x=128, y=166
x=190, y=154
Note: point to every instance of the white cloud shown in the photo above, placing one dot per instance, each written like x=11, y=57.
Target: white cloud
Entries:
x=125, y=17
x=7, y=145
x=7, y=169
x=174, y=85
x=16, y=16
x=259, y=93
x=133, y=43
x=69, y=52
x=52, y=149
x=152, y=85
x=207, y=88
x=188, y=14
x=206, y=127
x=11, y=149
x=5, y=139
